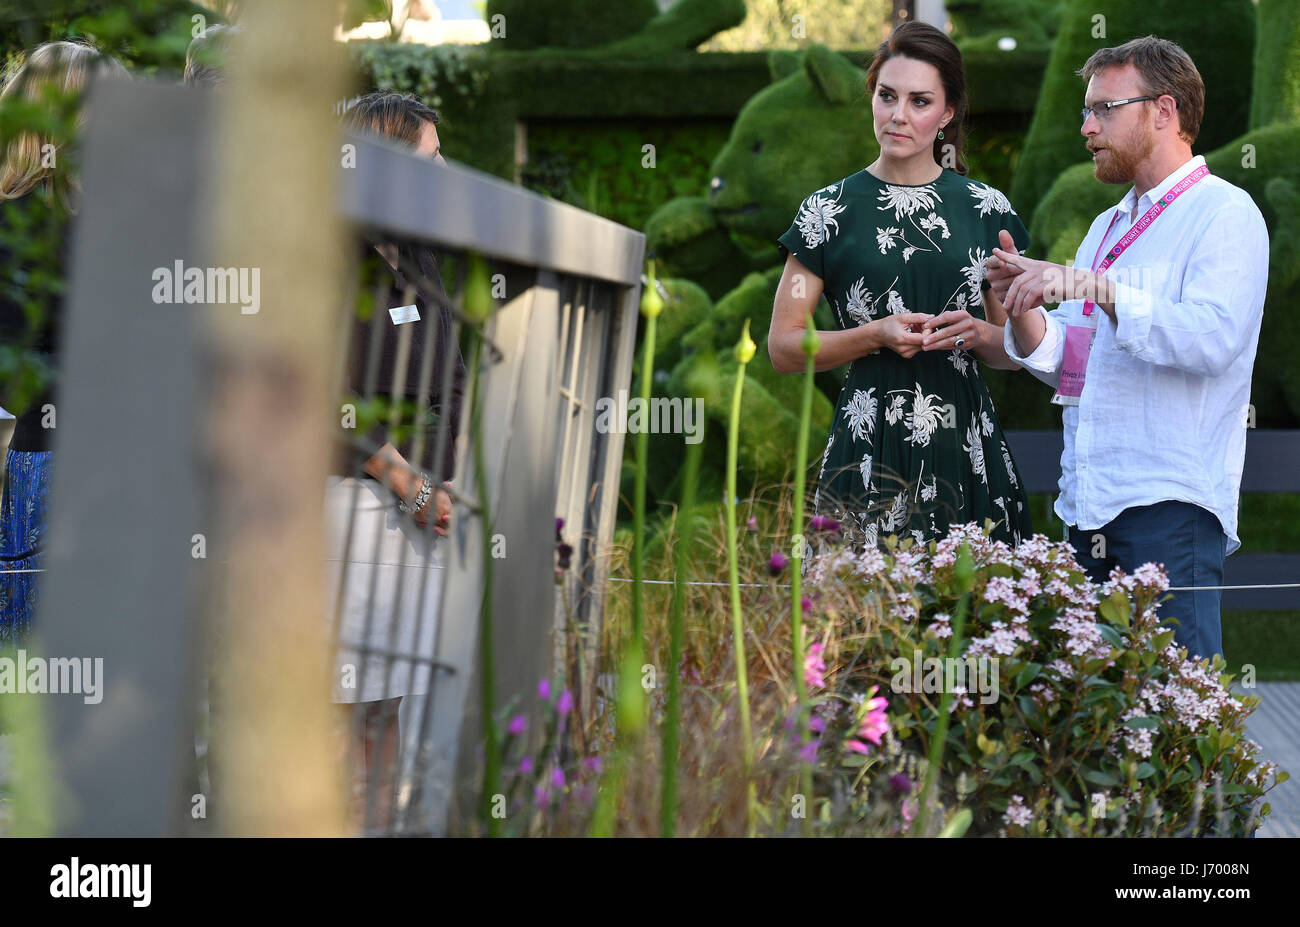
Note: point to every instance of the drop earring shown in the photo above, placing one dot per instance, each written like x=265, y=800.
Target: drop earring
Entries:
x=941, y=134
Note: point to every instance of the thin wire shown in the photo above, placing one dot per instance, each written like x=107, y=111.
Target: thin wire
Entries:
x=670, y=582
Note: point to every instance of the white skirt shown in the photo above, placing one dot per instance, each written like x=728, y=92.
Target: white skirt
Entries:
x=392, y=588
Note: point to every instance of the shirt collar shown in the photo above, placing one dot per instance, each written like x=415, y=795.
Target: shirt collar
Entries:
x=1125, y=206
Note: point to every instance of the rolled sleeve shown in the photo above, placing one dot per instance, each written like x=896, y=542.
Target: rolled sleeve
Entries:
x=1044, y=361
x=1220, y=306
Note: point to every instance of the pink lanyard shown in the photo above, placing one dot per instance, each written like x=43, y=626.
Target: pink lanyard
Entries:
x=1140, y=226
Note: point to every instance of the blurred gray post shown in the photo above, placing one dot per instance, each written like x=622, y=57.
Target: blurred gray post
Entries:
x=125, y=492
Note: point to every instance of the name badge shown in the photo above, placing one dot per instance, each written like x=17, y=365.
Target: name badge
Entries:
x=403, y=314
x=1074, y=365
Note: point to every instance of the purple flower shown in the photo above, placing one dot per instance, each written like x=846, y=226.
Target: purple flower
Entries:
x=777, y=563
x=557, y=777
x=808, y=752
x=544, y=690
x=526, y=765
x=565, y=704
x=900, y=784
x=752, y=524
x=593, y=763
x=816, y=724
x=805, y=605
x=559, y=523
x=822, y=523
x=517, y=725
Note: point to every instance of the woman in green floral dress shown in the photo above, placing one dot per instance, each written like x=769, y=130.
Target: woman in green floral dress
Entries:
x=898, y=249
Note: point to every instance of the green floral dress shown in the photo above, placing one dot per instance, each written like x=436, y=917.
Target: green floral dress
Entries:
x=915, y=445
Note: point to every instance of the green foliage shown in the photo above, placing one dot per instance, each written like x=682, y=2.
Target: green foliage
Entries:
x=982, y=22
x=1087, y=696
x=568, y=23
x=571, y=159
x=1218, y=44
x=682, y=26
x=1276, y=96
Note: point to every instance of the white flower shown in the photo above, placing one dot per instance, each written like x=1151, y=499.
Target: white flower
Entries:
x=896, y=517
x=1011, y=470
x=907, y=200
x=920, y=538
x=825, y=454
x=929, y=490
x=907, y=253
x=872, y=534
x=858, y=302
x=959, y=360
x=816, y=219
x=989, y=199
x=864, y=469
x=1017, y=813
x=975, y=272
x=885, y=238
x=933, y=221
x=986, y=424
x=923, y=420
x=894, y=411
x=959, y=299
x=895, y=303
x=861, y=413
x=976, y=450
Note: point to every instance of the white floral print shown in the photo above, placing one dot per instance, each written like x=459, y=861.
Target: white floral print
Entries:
x=894, y=411
x=864, y=469
x=896, y=517
x=860, y=413
x=975, y=448
x=885, y=238
x=989, y=199
x=1011, y=470
x=959, y=360
x=986, y=424
x=923, y=420
x=816, y=219
x=907, y=200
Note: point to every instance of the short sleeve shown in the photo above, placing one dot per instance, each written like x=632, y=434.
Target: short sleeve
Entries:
x=1019, y=234
x=805, y=238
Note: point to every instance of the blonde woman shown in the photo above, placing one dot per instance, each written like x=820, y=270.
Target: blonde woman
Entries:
x=38, y=194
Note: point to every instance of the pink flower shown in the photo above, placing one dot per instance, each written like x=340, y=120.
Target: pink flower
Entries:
x=752, y=524
x=875, y=724
x=857, y=746
x=777, y=563
x=544, y=690
x=565, y=704
x=517, y=725
x=813, y=668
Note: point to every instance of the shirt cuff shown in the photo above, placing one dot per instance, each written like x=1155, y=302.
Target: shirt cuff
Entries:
x=1046, y=358
x=1133, y=315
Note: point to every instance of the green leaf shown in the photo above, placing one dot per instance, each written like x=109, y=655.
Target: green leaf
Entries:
x=1145, y=770
x=1146, y=722
x=1100, y=778
x=1028, y=674
x=957, y=824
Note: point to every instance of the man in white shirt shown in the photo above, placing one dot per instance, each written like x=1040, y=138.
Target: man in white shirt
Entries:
x=1156, y=435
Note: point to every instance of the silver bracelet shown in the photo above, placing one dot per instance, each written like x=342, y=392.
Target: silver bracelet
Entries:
x=421, y=497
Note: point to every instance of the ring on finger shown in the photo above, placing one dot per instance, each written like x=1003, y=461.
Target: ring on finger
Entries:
x=960, y=342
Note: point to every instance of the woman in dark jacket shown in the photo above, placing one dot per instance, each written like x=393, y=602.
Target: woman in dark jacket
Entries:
x=404, y=355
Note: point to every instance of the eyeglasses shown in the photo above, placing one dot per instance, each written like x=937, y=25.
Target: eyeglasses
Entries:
x=1102, y=110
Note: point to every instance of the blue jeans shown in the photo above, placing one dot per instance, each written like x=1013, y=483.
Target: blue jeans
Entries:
x=1189, y=541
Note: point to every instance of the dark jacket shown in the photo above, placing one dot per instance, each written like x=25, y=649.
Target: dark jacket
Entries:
x=430, y=300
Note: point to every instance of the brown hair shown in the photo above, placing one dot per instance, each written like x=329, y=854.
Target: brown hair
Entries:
x=923, y=42
x=51, y=70
x=395, y=115
x=1163, y=68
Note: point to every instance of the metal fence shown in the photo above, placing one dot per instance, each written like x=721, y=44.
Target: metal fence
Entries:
x=130, y=467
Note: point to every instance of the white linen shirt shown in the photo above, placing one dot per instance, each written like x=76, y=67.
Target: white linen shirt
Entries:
x=1163, y=411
